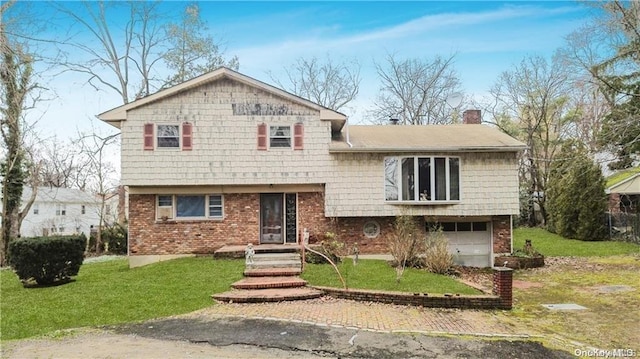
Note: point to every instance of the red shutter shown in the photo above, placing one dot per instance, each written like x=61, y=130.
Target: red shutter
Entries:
x=262, y=137
x=187, y=138
x=298, y=136
x=148, y=136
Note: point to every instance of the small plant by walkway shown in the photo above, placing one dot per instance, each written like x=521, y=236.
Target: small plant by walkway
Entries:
x=553, y=245
x=379, y=275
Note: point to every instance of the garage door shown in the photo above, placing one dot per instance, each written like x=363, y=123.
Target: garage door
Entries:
x=469, y=242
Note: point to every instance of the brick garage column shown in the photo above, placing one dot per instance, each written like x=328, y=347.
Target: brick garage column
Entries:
x=503, y=285
x=501, y=234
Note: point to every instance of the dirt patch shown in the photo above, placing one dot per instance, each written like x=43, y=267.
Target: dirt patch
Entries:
x=520, y=284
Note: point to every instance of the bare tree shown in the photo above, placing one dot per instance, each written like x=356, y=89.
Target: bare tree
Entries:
x=415, y=90
x=533, y=97
x=62, y=165
x=128, y=60
x=327, y=83
x=606, y=50
x=192, y=52
x=94, y=147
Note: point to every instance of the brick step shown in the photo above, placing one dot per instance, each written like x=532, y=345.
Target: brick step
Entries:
x=269, y=282
x=267, y=295
x=272, y=272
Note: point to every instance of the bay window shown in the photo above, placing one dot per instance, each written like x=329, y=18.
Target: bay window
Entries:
x=422, y=179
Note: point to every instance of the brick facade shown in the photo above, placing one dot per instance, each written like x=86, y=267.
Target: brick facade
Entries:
x=149, y=236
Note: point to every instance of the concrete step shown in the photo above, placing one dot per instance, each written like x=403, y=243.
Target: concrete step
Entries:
x=272, y=272
x=275, y=264
x=264, y=257
x=269, y=282
x=238, y=251
x=268, y=295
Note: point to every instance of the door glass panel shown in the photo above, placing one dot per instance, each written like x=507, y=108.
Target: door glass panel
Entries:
x=271, y=218
x=291, y=218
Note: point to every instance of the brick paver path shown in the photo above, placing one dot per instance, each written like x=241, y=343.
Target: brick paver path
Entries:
x=328, y=311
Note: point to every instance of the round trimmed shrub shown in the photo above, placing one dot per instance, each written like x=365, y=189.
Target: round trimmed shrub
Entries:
x=47, y=259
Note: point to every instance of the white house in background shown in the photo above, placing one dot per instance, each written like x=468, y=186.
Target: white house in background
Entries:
x=60, y=211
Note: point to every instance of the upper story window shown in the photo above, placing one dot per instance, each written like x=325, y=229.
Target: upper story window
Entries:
x=61, y=210
x=280, y=136
x=422, y=179
x=168, y=136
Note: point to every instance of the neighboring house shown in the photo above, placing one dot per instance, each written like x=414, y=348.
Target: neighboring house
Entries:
x=224, y=159
x=623, y=190
x=59, y=211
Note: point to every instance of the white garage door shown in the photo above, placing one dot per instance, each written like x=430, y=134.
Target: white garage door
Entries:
x=469, y=242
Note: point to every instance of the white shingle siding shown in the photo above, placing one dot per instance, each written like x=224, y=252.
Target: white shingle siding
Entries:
x=224, y=144
x=225, y=153
x=489, y=186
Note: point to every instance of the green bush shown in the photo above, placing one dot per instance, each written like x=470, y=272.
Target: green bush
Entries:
x=114, y=238
x=330, y=248
x=47, y=259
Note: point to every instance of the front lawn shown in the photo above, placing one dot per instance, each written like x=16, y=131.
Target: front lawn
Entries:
x=553, y=245
x=379, y=275
x=110, y=293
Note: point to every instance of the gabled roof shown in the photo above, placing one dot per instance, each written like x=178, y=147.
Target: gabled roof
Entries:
x=629, y=185
x=444, y=138
x=118, y=114
x=59, y=195
x=621, y=176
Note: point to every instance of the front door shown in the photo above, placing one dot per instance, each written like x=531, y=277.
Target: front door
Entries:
x=278, y=218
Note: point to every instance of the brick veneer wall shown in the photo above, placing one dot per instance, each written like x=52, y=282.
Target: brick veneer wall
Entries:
x=502, y=298
x=501, y=234
x=148, y=236
x=614, y=202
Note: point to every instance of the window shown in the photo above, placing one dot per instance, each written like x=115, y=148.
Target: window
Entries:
x=83, y=209
x=215, y=206
x=36, y=208
x=189, y=206
x=422, y=179
x=280, y=136
x=61, y=210
x=168, y=136
x=458, y=226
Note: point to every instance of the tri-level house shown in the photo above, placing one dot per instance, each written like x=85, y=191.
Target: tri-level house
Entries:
x=224, y=159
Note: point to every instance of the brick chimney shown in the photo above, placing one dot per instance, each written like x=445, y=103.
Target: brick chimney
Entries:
x=471, y=117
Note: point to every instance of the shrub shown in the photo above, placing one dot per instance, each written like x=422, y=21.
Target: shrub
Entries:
x=437, y=257
x=47, y=259
x=330, y=248
x=114, y=240
x=405, y=244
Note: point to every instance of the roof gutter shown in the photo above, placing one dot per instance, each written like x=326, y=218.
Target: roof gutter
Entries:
x=413, y=150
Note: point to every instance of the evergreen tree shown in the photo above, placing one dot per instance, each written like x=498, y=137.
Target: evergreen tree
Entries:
x=575, y=195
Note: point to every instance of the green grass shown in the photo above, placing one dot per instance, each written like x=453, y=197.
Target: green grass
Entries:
x=110, y=293
x=553, y=245
x=379, y=275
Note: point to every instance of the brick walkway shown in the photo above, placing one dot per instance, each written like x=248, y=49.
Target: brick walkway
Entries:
x=328, y=311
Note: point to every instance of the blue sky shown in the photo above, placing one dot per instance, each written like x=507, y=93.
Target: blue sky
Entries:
x=487, y=38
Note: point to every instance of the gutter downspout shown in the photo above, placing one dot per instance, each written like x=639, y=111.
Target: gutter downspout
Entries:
x=347, y=124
